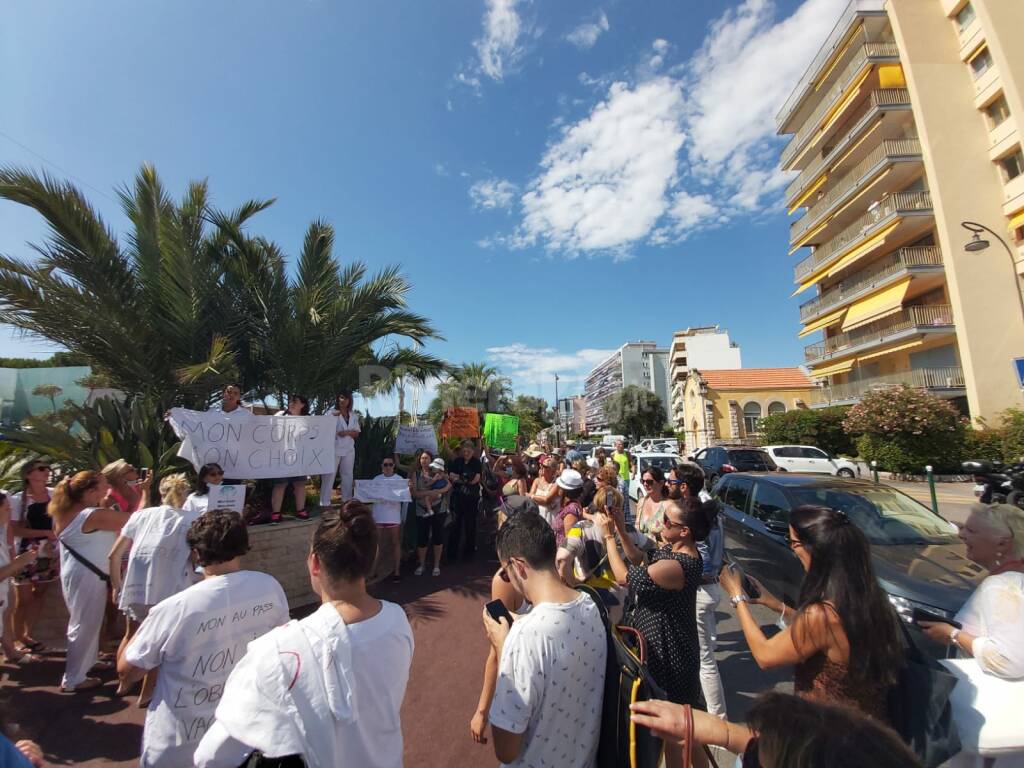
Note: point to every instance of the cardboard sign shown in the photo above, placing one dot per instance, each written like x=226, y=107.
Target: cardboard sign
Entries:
x=412, y=439
x=383, y=489
x=501, y=431
x=227, y=497
x=460, y=422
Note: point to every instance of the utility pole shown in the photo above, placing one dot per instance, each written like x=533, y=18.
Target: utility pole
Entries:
x=557, y=412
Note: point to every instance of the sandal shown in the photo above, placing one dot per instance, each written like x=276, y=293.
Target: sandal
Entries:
x=32, y=644
x=86, y=685
x=24, y=657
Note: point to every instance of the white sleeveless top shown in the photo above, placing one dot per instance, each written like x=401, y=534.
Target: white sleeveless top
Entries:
x=94, y=546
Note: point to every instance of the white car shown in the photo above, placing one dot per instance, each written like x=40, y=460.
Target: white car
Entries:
x=810, y=460
x=643, y=460
x=658, y=445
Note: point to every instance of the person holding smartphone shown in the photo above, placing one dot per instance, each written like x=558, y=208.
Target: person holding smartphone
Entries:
x=129, y=487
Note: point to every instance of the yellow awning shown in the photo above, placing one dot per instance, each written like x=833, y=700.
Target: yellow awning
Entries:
x=831, y=370
x=1017, y=221
x=810, y=191
x=867, y=246
x=869, y=134
x=891, y=76
x=807, y=237
x=853, y=36
x=879, y=304
x=807, y=284
x=821, y=322
x=848, y=96
x=890, y=350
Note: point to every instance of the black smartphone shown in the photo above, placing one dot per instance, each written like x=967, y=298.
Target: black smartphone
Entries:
x=918, y=615
x=497, y=610
x=749, y=587
x=609, y=499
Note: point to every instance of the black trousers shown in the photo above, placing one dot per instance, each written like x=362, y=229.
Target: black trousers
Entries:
x=465, y=510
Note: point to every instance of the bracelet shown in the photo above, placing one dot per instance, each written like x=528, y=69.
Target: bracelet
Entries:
x=953, y=636
x=737, y=599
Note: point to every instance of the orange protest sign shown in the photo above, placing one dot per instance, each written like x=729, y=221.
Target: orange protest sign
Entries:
x=460, y=422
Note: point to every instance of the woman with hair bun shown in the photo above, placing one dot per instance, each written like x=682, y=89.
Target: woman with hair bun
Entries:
x=328, y=688
x=843, y=638
x=86, y=532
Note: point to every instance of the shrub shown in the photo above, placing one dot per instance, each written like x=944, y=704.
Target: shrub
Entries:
x=1012, y=430
x=904, y=429
x=822, y=427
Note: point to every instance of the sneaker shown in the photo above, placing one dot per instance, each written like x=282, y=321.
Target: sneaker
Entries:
x=418, y=571
x=275, y=518
x=302, y=514
x=437, y=571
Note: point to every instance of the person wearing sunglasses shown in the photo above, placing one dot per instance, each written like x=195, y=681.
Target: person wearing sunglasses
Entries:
x=650, y=511
x=199, y=500
x=33, y=530
x=843, y=638
x=388, y=515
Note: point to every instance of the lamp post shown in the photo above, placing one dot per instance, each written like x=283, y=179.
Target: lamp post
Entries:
x=557, y=419
x=978, y=243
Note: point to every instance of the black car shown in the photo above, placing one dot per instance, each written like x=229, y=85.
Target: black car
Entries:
x=918, y=558
x=717, y=461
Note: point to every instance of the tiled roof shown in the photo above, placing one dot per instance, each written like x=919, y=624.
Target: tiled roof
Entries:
x=757, y=378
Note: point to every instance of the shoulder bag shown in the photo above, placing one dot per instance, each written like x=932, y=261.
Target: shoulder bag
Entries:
x=86, y=562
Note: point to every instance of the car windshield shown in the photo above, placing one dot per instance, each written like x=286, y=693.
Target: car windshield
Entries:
x=752, y=457
x=664, y=463
x=886, y=516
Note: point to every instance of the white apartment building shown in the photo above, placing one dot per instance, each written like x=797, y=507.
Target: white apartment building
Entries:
x=704, y=347
x=637, y=363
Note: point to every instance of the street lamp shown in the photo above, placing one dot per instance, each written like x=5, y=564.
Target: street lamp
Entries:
x=556, y=412
x=978, y=243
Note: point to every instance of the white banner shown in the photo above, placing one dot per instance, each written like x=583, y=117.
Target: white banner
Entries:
x=411, y=439
x=230, y=497
x=253, y=447
x=383, y=489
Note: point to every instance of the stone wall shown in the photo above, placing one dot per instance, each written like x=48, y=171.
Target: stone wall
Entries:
x=281, y=551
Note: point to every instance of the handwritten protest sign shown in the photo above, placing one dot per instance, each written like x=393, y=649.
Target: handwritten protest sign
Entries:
x=383, y=489
x=412, y=439
x=257, y=446
x=227, y=497
x=460, y=422
x=501, y=431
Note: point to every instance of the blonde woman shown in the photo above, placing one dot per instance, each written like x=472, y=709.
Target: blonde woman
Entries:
x=86, y=531
x=158, y=565
x=127, y=491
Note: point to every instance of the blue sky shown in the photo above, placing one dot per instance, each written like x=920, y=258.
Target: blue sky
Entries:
x=555, y=178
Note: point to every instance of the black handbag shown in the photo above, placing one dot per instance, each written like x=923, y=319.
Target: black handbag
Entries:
x=919, y=707
x=258, y=760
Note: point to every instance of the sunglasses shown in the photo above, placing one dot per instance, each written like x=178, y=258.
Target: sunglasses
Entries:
x=43, y=469
x=648, y=481
x=668, y=522
x=388, y=464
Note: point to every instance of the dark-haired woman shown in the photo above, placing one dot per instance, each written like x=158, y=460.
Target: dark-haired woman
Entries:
x=196, y=636
x=328, y=688
x=650, y=510
x=86, y=532
x=297, y=406
x=347, y=430
x=569, y=513
x=199, y=501
x=843, y=638
x=32, y=529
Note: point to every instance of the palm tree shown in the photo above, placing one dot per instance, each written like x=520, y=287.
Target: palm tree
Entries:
x=475, y=385
x=51, y=391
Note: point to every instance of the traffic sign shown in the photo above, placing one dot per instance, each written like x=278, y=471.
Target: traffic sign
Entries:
x=1018, y=366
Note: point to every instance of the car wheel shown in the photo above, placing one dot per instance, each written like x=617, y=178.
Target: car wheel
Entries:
x=845, y=472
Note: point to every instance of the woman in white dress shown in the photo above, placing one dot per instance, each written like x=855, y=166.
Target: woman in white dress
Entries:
x=344, y=449
x=199, y=501
x=86, y=532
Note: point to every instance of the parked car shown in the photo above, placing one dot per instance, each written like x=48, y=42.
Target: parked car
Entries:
x=717, y=461
x=658, y=445
x=643, y=461
x=919, y=560
x=807, y=458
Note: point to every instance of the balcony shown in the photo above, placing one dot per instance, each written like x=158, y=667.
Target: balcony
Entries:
x=888, y=152
x=895, y=118
x=898, y=204
x=868, y=54
x=927, y=258
x=932, y=318
x=949, y=380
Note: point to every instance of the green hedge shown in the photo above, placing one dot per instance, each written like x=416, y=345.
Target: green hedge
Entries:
x=821, y=427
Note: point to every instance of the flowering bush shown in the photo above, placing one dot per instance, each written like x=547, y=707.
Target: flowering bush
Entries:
x=904, y=429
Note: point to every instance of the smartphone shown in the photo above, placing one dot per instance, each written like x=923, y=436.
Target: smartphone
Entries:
x=609, y=499
x=749, y=587
x=143, y=473
x=497, y=609
x=917, y=615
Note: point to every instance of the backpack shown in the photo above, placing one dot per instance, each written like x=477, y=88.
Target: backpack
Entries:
x=623, y=743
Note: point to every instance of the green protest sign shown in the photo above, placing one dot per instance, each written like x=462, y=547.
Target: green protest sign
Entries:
x=501, y=431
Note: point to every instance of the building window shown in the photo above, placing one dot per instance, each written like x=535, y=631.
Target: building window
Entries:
x=997, y=112
x=965, y=17
x=981, y=63
x=776, y=407
x=1012, y=165
x=751, y=416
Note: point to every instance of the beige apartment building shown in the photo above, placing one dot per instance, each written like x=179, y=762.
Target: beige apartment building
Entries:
x=907, y=123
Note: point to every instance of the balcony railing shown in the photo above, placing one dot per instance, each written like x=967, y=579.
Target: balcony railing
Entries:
x=904, y=258
x=931, y=315
x=888, y=150
x=867, y=52
x=897, y=203
x=901, y=97
x=918, y=378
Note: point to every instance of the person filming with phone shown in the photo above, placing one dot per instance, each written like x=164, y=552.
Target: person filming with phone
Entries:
x=841, y=608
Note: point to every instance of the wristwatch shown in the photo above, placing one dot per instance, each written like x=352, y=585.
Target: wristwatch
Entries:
x=953, y=636
x=737, y=599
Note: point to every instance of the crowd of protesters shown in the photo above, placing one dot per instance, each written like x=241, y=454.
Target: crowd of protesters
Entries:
x=228, y=680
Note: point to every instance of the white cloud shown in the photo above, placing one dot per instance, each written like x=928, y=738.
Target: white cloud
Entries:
x=499, y=47
x=441, y=169
x=660, y=45
x=586, y=34
x=493, y=193
x=603, y=183
x=538, y=365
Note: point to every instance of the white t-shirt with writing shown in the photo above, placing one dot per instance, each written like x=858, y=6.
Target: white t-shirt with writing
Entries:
x=387, y=512
x=158, y=565
x=551, y=684
x=196, y=637
x=197, y=502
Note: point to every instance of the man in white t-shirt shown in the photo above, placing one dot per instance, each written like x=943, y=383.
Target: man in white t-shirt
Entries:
x=547, y=702
x=197, y=636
